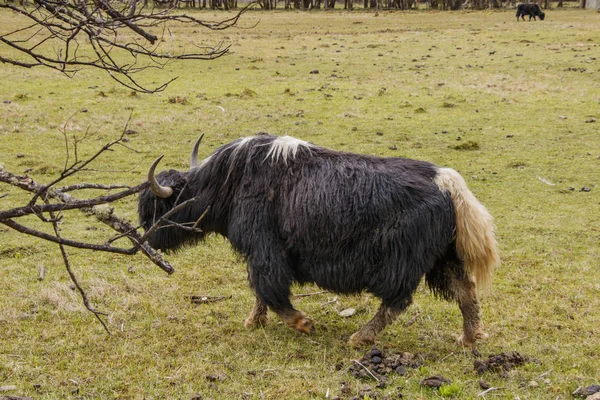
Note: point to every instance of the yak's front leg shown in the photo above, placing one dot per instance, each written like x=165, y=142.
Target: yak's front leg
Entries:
x=384, y=316
x=272, y=287
x=258, y=316
x=297, y=320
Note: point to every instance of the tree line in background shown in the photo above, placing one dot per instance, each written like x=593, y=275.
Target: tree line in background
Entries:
x=332, y=4
x=357, y=4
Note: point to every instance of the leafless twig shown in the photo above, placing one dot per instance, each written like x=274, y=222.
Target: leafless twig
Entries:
x=310, y=294
x=366, y=369
x=545, y=373
x=332, y=301
x=84, y=297
x=449, y=355
x=412, y=320
x=165, y=218
x=482, y=394
x=42, y=273
x=546, y=181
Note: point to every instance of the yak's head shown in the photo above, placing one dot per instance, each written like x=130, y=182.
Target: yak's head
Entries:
x=542, y=15
x=167, y=191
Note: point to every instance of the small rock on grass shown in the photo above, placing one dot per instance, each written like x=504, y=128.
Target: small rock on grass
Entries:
x=348, y=312
x=215, y=378
x=434, y=381
x=15, y=398
x=588, y=391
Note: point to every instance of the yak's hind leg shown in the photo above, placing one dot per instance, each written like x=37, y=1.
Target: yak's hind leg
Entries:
x=464, y=292
x=258, y=316
x=449, y=280
x=384, y=316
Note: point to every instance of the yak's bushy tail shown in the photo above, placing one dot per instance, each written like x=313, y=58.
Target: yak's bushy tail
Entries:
x=475, y=231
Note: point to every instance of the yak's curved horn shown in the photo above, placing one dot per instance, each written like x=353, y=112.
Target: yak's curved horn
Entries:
x=161, y=191
x=194, y=156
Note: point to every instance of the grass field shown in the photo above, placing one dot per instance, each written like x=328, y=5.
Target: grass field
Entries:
x=509, y=105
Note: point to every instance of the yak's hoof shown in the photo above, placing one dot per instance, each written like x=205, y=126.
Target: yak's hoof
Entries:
x=253, y=321
x=304, y=325
x=357, y=340
x=481, y=335
x=462, y=340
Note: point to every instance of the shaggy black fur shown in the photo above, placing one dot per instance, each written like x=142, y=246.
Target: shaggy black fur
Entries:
x=344, y=221
x=533, y=10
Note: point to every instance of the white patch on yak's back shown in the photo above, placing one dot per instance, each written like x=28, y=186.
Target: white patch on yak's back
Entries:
x=240, y=145
x=284, y=147
x=281, y=147
x=236, y=146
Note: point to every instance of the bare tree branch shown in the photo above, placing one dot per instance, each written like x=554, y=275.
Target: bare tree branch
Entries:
x=56, y=239
x=68, y=35
x=79, y=186
x=38, y=209
x=119, y=225
x=48, y=201
x=68, y=202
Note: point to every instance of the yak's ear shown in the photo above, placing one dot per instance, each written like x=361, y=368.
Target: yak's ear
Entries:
x=194, y=156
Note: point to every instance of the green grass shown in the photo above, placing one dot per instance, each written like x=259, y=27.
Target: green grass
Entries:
x=424, y=82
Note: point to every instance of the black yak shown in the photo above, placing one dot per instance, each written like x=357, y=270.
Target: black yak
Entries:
x=350, y=223
x=533, y=10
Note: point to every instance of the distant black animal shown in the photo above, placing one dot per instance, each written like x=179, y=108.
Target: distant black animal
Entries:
x=347, y=222
x=533, y=10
